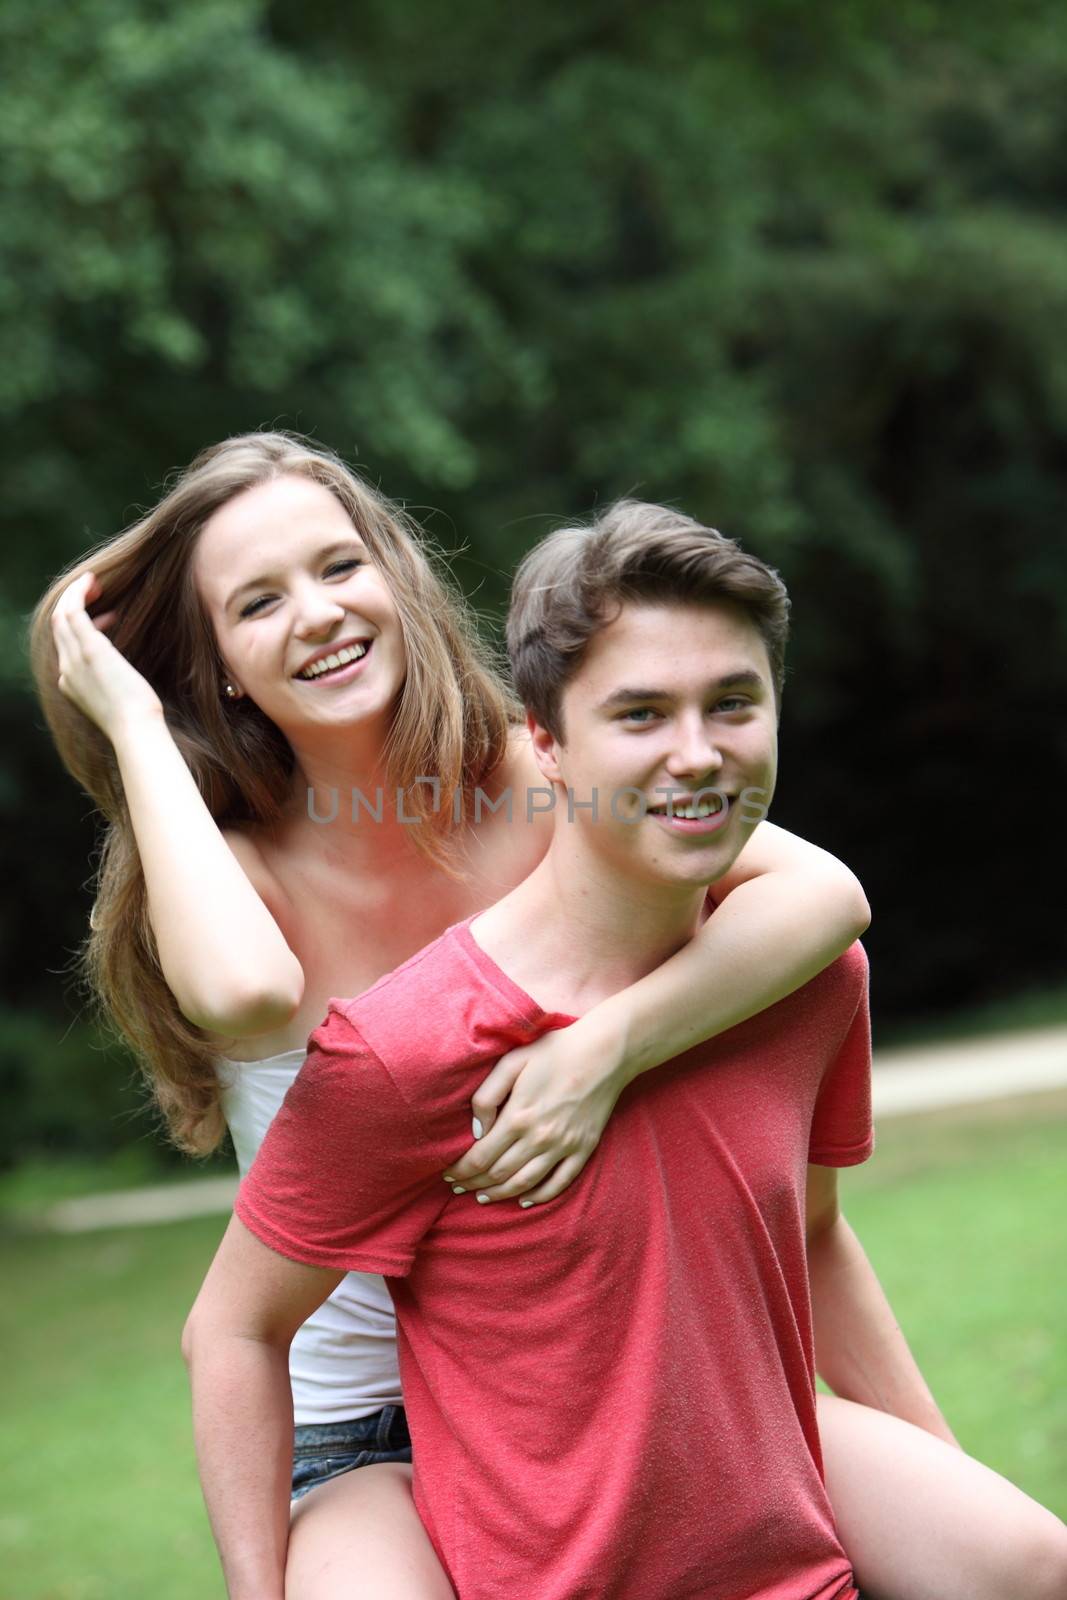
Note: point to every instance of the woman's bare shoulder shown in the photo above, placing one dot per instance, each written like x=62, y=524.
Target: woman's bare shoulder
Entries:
x=253, y=856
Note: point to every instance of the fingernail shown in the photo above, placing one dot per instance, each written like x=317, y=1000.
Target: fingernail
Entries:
x=483, y=1199
x=526, y=1204
x=449, y=1178
x=457, y=1188
x=477, y=1127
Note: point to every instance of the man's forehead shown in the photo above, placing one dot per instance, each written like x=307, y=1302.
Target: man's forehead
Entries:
x=667, y=643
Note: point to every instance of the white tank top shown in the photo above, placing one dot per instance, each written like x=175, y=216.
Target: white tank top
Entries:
x=343, y=1361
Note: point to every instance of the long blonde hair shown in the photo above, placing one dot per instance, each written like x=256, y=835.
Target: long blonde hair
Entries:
x=452, y=721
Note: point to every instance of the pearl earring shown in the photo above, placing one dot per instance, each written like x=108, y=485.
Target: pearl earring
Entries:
x=229, y=691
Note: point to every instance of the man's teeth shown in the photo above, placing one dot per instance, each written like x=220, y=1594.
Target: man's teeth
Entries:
x=705, y=808
x=353, y=653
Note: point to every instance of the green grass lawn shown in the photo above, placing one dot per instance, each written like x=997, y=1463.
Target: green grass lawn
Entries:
x=963, y=1220
x=963, y=1216
x=102, y=1500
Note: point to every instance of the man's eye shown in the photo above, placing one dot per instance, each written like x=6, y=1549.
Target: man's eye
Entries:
x=734, y=702
x=640, y=716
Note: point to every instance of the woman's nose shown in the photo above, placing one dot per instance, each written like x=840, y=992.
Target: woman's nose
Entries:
x=317, y=612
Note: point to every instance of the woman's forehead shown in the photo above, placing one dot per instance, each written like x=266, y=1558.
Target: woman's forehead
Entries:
x=267, y=526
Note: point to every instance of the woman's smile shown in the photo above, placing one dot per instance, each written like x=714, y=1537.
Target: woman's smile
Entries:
x=331, y=666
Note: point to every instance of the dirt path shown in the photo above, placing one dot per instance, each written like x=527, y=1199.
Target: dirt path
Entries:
x=906, y=1082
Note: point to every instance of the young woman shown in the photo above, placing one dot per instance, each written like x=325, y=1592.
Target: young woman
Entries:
x=281, y=649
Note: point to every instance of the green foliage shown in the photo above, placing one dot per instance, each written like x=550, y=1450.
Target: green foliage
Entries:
x=66, y=1090
x=205, y=231
x=800, y=270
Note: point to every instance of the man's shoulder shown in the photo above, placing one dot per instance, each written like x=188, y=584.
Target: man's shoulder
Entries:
x=430, y=971
x=404, y=1008
x=815, y=1017
x=393, y=1059
x=832, y=1012
x=439, y=1008
x=844, y=980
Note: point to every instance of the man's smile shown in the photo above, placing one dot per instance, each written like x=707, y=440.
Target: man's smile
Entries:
x=692, y=815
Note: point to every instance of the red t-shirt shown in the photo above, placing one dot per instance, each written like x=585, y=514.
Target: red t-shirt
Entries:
x=611, y=1396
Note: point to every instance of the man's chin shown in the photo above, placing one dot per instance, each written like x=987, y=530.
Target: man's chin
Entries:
x=696, y=874
x=702, y=873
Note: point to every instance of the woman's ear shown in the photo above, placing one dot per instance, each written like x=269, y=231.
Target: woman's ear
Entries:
x=545, y=747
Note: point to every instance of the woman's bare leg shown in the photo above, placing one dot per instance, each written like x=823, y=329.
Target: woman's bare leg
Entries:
x=922, y=1521
x=358, y=1537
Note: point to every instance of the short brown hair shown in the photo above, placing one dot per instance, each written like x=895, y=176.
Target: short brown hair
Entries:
x=574, y=583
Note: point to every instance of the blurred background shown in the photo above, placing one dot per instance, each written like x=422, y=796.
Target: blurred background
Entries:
x=801, y=270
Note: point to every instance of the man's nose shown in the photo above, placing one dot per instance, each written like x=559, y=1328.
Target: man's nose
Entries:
x=696, y=753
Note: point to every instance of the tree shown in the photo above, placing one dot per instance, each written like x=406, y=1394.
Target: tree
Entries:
x=796, y=269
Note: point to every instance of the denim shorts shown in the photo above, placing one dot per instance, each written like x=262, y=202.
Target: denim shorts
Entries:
x=324, y=1450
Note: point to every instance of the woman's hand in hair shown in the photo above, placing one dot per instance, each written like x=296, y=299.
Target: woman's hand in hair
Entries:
x=92, y=673
x=542, y=1111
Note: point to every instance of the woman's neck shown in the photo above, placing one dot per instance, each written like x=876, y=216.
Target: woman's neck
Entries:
x=343, y=807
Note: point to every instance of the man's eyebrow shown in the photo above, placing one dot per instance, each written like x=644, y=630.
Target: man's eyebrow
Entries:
x=743, y=678
x=265, y=580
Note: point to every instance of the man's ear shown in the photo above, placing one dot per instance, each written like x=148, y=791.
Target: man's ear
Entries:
x=545, y=747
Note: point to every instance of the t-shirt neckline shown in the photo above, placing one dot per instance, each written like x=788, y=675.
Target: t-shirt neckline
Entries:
x=515, y=995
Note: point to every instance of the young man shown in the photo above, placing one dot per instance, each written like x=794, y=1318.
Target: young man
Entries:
x=611, y=1394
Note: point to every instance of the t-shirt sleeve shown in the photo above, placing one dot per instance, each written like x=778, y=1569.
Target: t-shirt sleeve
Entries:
x=349, y=1174
x=842, y=1128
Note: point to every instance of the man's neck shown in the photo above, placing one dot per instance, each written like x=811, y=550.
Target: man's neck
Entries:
x=575, y=931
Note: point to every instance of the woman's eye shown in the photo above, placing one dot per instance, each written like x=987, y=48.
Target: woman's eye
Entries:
x=336, y=569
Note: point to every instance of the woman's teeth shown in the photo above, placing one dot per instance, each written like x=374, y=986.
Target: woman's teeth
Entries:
x=352, y=653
